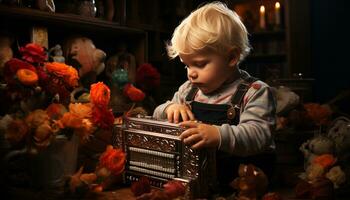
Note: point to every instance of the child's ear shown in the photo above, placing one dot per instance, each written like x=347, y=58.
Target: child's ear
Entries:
x=233, y=56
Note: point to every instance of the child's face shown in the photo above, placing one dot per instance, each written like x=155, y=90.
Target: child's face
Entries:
x=208, y=70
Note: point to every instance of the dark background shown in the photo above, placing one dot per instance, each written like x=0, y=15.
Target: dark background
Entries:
x=330, y=43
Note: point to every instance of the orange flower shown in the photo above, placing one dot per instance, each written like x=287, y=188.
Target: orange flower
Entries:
x=36, y=118
x=43, y=135
x=87, y=128
x=113, y=160
x=16, y=131
x=79, y=119
x=68, y=73
x=27, y=77
x=12, y=66
x=73, y=78
x=100, y=94
x=70, y=120
x=325, y=160
x=56, y=110
x=81, y=110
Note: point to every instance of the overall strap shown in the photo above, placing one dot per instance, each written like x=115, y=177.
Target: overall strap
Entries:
x=242, y=88
x=237, y=97
x=191, y=94
x=234, y=111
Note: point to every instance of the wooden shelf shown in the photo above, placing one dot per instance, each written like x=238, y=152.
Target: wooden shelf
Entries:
x=105, y=34
x=149, y=27
x=268, y=34
x=267, y=58
x=66, y=20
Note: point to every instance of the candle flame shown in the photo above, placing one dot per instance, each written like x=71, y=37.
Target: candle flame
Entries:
x=262, y=9
x=277, y=5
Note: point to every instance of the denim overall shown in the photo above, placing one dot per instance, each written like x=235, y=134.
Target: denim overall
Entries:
x=218, y=114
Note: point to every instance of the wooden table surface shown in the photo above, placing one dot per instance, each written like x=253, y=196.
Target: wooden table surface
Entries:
x=28, y=194
x=125, y=194
x=119, y=194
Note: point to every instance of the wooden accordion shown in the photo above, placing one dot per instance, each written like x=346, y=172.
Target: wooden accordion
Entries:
x=154, y=150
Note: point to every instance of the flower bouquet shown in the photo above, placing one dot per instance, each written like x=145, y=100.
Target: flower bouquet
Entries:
x=31, y=81
x=41, y=125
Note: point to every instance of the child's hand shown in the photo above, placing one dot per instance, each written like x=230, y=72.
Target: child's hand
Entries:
x=200, y=135
x=174, y=111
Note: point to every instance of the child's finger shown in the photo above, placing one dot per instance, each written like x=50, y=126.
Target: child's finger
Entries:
x=176, y=116
x=170, y=115
x=189, y=124
x=193, y=139
x=187, y=133
x=184, y=115
x=190, y=114
x=198, y=145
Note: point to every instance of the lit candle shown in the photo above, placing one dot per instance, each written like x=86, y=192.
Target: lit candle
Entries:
x=278, y=13
x=262, y=17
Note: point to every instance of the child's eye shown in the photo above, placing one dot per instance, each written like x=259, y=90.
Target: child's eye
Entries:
x=200, y=65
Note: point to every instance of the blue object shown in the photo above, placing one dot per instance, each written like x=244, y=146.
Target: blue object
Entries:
x=120, y=77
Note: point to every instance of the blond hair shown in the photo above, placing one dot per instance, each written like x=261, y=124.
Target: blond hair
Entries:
x=213, y=26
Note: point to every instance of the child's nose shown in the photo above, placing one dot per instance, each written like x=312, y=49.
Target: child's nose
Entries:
x=192, y=74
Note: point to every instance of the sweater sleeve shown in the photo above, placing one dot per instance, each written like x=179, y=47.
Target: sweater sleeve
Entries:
x=253, y=134
x=179, y=97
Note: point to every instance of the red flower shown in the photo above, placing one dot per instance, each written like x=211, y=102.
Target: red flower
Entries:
x=174, y=189
x=43, y=76
x=133, y=93
x=141, y=186
x=303, y=190
x=319, y=114
x=113, y=160
x=33, y=53
x=272, y=196
x=154, y=195
x=57, y=86
x=147, y=77
x=102, y=117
